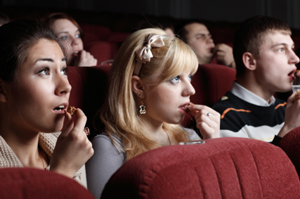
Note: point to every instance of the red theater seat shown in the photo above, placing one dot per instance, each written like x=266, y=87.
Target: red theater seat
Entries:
x=290, y=143
x=211, y=82
x=92, y=32
x=101, y=50
x=219, y=168
x=89, y=89
x=29, y=183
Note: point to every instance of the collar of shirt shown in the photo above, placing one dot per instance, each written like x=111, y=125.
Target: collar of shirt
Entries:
x=248, y=96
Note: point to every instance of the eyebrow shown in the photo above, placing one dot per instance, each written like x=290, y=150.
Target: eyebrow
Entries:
x=283, y=44
x=67, y=31
x=202, y=34
x=62, y=32
x=49, y=59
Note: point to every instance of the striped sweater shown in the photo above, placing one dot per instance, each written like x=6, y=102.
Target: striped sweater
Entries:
x=242, y=119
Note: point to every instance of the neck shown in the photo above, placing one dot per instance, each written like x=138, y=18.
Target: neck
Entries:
x=252, y=85
x=157, y=131
x=25, y=146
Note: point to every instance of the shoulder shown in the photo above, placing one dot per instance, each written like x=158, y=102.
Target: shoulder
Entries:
x=108, y=143
x=226, y=101
x=105, y=138
x=192, y=134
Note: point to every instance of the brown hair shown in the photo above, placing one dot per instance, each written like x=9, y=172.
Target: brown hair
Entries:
x=51, y=18
x=250, y=36
x=16, y=38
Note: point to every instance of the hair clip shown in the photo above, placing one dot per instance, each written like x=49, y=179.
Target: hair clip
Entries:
x=144, y=54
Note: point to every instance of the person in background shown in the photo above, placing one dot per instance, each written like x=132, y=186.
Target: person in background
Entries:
x=266, y=63
x=34, y=96
x=149, y=94
x=198, y=37
x=70, y=35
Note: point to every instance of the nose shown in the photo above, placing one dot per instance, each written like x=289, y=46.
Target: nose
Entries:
x=63, y=86
x=294, y=59
x=188, y=90
x=75, y=40
x=209, y=39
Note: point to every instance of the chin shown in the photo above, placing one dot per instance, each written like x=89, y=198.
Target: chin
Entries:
x=176, y=120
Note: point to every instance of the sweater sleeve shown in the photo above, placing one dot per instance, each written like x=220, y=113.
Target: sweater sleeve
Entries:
x=107, y=159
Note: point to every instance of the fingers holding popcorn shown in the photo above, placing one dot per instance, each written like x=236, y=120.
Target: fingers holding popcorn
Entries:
x=207, y=119
x=72, y=149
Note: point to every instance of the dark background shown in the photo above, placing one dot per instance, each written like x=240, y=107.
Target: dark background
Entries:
x=213, y=10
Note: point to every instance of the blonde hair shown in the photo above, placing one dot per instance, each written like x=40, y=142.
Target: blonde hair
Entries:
x=120, y=117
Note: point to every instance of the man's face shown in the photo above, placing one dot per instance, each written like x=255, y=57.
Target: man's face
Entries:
x=275, y=64
x=199, y=39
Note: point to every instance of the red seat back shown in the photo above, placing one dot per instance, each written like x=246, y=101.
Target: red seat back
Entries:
x=211, y=82
x=101, y=50
x=290, y=144
x=219, y=168
x=94, y=32
x=89, y=90
x=29, y=183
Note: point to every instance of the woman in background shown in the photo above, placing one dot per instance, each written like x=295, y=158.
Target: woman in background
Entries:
x=70, y=37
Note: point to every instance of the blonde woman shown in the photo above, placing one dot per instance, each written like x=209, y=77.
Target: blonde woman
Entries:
x=148, y=97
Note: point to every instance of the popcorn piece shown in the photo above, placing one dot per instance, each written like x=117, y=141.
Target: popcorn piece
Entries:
x=71, y=110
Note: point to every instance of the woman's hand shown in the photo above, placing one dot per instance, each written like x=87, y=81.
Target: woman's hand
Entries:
x=207, y=119
x=73, y=148
x=85, y=59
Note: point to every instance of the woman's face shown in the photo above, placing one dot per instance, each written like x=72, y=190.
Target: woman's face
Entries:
x=40, y=92
x=70, y=37
x=166, y=101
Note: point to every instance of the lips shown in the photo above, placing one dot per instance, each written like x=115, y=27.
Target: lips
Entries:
x=184, y=108
x=60, y=108
x=75, y=54
x=292, y=75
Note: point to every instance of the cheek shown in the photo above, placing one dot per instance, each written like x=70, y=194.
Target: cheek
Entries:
x=162, y=98
x=80, y=44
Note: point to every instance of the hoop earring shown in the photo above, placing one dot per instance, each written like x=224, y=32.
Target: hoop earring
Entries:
x=142, y=109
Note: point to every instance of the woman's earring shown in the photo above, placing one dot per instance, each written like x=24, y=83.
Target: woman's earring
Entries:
x=142, y=109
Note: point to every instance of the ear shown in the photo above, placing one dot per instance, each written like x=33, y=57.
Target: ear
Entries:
x=137, y=86
x=2, y=93
x=249, y=61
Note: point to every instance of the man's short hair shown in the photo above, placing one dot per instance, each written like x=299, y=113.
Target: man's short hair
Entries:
x=250, y=36
x=180, y=30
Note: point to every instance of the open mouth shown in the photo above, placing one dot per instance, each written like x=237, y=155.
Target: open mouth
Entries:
x=185, y=107
x=76, y=53
x=59, y=108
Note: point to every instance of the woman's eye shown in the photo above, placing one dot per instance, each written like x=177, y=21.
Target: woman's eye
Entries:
x=190, y=78
x=64, y=71
x=175, y=80
x=280, y=50
x=63, y=38
x=78, y=35
x=44, y=71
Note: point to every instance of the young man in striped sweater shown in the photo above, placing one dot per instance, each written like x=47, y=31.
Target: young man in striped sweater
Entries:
x=265, y=63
